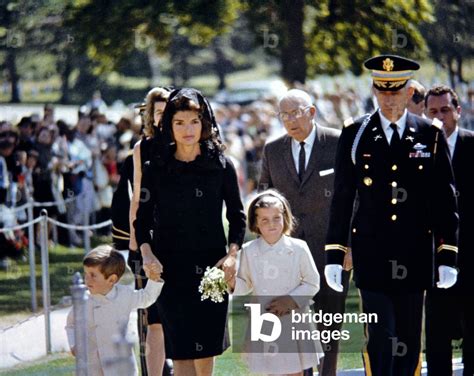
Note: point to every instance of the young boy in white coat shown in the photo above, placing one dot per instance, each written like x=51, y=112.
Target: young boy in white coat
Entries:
x=108, y=307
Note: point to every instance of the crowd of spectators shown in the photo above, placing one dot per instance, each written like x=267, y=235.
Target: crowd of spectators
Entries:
x=77, y=164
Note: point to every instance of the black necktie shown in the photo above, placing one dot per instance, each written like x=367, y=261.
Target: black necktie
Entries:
x=395, y=142
x=301, y=161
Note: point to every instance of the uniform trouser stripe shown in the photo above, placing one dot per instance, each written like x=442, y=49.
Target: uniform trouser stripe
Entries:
x=418, y=367
x=365, y=353
x=393, y=343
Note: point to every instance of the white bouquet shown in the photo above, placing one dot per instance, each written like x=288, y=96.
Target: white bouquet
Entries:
x=213, y=285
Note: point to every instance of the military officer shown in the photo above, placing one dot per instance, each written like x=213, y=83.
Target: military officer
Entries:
x=396, y=168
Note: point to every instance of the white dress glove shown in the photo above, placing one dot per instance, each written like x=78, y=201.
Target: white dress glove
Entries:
x=447, y=277
x=333, y=273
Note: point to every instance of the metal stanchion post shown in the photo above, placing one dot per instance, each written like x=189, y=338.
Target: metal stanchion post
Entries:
x=31, y=253
x=54, y=234
x=79, y=302
x=87, y=238
x=45, y=278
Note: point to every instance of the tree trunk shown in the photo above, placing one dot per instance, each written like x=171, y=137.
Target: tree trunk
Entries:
x=220, y=63
x=155, y=66
x=459, y=72
x=12, y=72
x=451, y=72
x=293, y=52
x=65, y=74
x=184, y=70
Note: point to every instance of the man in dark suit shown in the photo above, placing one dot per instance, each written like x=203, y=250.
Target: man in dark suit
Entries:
x=450, y=313
x=398, y=166
x=301, y=166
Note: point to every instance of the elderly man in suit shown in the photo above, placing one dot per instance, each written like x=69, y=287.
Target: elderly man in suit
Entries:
x=447, y=311
x=300, y=165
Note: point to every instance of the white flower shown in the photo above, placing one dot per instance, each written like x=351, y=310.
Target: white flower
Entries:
x=213, y=285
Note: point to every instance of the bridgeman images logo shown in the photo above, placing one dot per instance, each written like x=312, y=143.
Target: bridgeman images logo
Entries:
x=300, y=326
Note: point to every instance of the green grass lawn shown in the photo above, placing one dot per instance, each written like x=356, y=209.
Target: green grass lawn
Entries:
x=54, y=365
x=15, y=295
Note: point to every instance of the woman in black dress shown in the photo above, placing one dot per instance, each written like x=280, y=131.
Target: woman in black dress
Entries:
x=183, y=190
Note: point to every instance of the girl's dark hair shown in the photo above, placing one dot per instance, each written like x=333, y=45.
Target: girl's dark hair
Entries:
x=271, y=198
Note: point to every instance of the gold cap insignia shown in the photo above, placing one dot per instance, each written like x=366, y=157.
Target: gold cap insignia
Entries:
x=367, y=181
x=388, y=64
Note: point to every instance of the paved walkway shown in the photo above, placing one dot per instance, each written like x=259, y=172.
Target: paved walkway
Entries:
x=27, y=342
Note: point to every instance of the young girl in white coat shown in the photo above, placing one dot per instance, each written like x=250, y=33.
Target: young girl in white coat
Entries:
x=279, y=272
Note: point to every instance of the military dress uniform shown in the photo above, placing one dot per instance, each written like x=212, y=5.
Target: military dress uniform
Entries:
x=398, y=203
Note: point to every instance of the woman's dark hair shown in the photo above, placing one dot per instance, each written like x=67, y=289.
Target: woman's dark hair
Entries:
x=192, y=100
x=157, y=94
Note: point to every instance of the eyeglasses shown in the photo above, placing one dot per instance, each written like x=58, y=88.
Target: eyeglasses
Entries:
x=299, y=112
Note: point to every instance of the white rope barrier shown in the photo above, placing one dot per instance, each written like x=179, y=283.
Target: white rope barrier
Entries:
x=77, y=227
x=45, y=204
x=22, y=207
x=19, y=227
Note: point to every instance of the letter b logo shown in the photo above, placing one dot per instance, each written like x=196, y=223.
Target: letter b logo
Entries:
x=256, y=321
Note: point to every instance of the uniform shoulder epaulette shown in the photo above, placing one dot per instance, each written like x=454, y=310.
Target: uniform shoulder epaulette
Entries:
x=437, y=123
x=348, y=122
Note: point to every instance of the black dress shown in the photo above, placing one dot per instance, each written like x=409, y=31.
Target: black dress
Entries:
x=182, y=202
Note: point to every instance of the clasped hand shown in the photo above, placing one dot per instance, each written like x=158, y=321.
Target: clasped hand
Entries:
x=281, y=305
x=151, y=266
x=229, y=265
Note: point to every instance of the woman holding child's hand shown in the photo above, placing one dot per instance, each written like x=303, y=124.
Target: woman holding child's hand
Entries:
x=183, y=191
x=151, y=266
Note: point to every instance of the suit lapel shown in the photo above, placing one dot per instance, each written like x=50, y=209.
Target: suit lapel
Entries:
x=316, y=153
x=290, y=164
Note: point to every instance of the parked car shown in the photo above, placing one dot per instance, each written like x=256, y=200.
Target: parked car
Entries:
x=247, y=92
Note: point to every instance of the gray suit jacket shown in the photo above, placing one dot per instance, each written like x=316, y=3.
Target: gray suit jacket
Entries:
x=310, y=200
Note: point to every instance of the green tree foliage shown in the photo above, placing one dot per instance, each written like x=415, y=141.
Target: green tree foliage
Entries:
x=451, y=41
x=19, y=33
x=337, y=35
x=32, y=27
x=111, y=30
